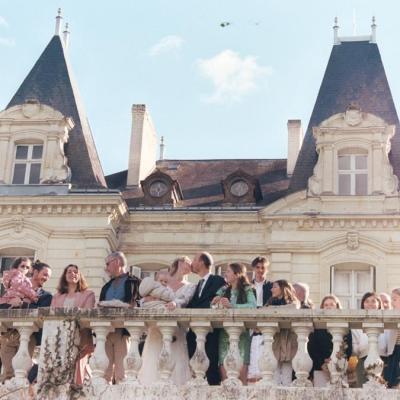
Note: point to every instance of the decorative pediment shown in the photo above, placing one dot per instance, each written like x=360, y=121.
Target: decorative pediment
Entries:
x=160, y=189
x=347, y=143
x=37, y=125
x=241, y=188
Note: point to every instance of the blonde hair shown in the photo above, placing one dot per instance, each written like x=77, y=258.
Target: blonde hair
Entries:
x=331, y=297
x=175, y=264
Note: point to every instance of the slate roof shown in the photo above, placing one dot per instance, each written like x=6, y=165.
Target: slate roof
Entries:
x=51, y=82
x=354, y=73
x=200, y=180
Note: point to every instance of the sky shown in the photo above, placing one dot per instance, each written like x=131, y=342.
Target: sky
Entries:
x=220, y=78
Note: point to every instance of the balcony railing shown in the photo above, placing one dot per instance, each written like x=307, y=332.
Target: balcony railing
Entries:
x=60, y=332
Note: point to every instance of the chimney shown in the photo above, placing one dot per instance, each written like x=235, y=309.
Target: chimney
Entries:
x=143, y=147
x=295, y=139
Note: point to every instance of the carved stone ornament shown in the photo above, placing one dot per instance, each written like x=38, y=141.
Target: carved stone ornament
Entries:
x=353, y=115
x=30, y=108
x=18, y=224
x=352, y=240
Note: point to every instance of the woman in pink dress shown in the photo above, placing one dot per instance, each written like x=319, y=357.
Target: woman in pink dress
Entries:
x=17, y=285
x=73, y=291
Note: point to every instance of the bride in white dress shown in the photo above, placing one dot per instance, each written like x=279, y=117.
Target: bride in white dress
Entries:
x=184, y=291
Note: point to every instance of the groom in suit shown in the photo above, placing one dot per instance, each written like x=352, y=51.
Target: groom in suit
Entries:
x=205, y=291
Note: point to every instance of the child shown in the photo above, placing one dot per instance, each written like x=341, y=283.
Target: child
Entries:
x=156, y=288
x=17, y=285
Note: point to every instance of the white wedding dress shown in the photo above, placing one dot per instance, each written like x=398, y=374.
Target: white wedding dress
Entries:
x=181, y=373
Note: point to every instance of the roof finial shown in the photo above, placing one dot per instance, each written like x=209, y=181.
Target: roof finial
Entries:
x=162, y=148
x=373, y=31
x=66, y=35
x=335, y=32
x=58, y=23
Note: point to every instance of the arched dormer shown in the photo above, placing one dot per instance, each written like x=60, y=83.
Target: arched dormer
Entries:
x=353, y=156
x=241, y=188
x=32, y=138
x=160, y=189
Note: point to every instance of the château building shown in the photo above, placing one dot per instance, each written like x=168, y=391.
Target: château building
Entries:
x=327, y=215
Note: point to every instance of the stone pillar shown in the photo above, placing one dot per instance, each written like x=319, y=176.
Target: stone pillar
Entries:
x=4, y=159
x=99, y=360
x=166, y=362
x=268, y=362
x=133, y=361
x=373, y=364
x=338, y=364
x=302, y=362
x=199, y=362
x=22, y=361
x=233, y=362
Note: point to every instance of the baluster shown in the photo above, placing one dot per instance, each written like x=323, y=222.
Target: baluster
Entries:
x=232, y=361
x=199, y=362
x=337, y=365
x=268, y=362
x=133, y=361
x=373, y=364
x=302, y=362
x=22, y=361
x=166, y=363
x=99, y=360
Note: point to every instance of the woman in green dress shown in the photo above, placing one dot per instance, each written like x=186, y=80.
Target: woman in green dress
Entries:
x=238, y=293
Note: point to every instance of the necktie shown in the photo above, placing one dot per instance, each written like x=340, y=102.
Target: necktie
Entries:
x=200, y=286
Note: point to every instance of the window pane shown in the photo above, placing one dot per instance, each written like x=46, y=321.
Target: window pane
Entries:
x=22, y=153
x=344, y=184
x=361, y=184
x=37, y=152
x=342, y=283
x=363, y=283
x=361, y=162
x=19, y=174
x=34, y=176
x=344, y=162
x=345, y=302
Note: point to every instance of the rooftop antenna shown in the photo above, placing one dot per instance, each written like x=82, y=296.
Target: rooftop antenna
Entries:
x=58, y=23
x=335, y=32
x=162, y=148
x=354, y=23
x=373, y=31
x=66, y=35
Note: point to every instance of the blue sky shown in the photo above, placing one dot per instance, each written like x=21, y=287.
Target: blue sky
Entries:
x=212, y=91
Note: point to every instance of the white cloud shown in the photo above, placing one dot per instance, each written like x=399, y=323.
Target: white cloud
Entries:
x=166, y=44
x=7, y=42
x=232, y=76
x=3, y=21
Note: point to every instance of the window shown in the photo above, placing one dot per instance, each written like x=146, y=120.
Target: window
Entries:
x=28, y=163
x=353, y=174
x=349, y=282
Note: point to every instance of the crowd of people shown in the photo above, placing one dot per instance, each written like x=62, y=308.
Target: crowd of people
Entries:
x=169, y=289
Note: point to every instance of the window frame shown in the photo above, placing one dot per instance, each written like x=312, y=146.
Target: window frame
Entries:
x=29, y=161
x=352, y=171
x=353, y=296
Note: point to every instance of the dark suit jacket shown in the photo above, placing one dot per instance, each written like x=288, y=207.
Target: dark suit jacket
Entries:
x=267, y=294
x=214, y=282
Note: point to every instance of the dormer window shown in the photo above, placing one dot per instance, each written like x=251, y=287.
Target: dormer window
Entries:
x=353, y=174
x=27, y=164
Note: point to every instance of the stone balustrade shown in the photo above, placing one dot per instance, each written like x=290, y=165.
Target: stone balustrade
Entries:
x=60, y=332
